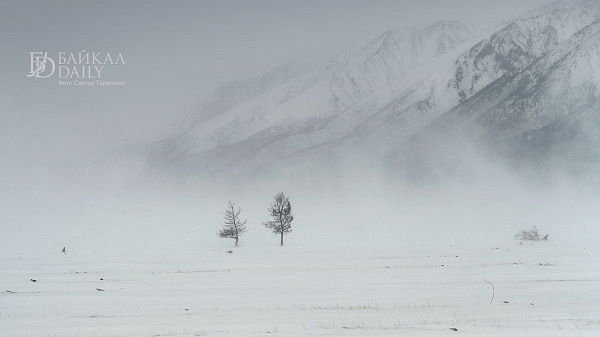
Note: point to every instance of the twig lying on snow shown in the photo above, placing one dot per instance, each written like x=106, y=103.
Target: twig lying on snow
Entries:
x=493, y=291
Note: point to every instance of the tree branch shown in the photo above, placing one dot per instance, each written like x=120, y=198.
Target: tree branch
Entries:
x=493, y=290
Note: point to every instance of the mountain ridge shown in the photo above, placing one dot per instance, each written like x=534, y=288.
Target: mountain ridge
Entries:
x=376, y=97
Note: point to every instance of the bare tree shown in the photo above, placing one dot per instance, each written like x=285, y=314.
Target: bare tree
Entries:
x=281, y=212
x=233, y=226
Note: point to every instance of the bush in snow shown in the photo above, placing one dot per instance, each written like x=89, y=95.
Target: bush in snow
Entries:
x=531, y=235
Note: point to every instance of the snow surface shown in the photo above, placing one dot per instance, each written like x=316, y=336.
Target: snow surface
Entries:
x=541, y=289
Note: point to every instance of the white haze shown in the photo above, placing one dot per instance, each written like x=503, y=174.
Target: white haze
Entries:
x=121, y=207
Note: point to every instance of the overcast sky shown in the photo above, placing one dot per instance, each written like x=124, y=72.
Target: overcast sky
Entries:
x=176, y=53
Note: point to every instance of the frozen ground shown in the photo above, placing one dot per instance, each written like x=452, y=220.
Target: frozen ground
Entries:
x=540, y=290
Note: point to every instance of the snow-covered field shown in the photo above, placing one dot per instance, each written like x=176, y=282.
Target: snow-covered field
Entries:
x=541, y=289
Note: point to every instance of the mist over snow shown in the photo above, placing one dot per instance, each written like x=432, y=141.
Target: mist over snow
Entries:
x=125, y=208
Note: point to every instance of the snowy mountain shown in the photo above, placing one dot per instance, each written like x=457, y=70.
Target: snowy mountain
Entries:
x=546, y=114
x=527, y=82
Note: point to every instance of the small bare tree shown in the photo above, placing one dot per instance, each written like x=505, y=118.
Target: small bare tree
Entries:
x=281, y=212
x=234, y=226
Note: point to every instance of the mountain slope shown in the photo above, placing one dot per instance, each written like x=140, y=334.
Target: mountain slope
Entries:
x=376, y=98
x=547, y=114
x=319, y=106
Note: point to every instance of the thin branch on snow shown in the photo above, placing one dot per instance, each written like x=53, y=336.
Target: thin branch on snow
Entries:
x=493, y=290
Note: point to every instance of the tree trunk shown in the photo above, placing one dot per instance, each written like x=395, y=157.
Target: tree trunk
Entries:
x=236, y=241
x=281, y=238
